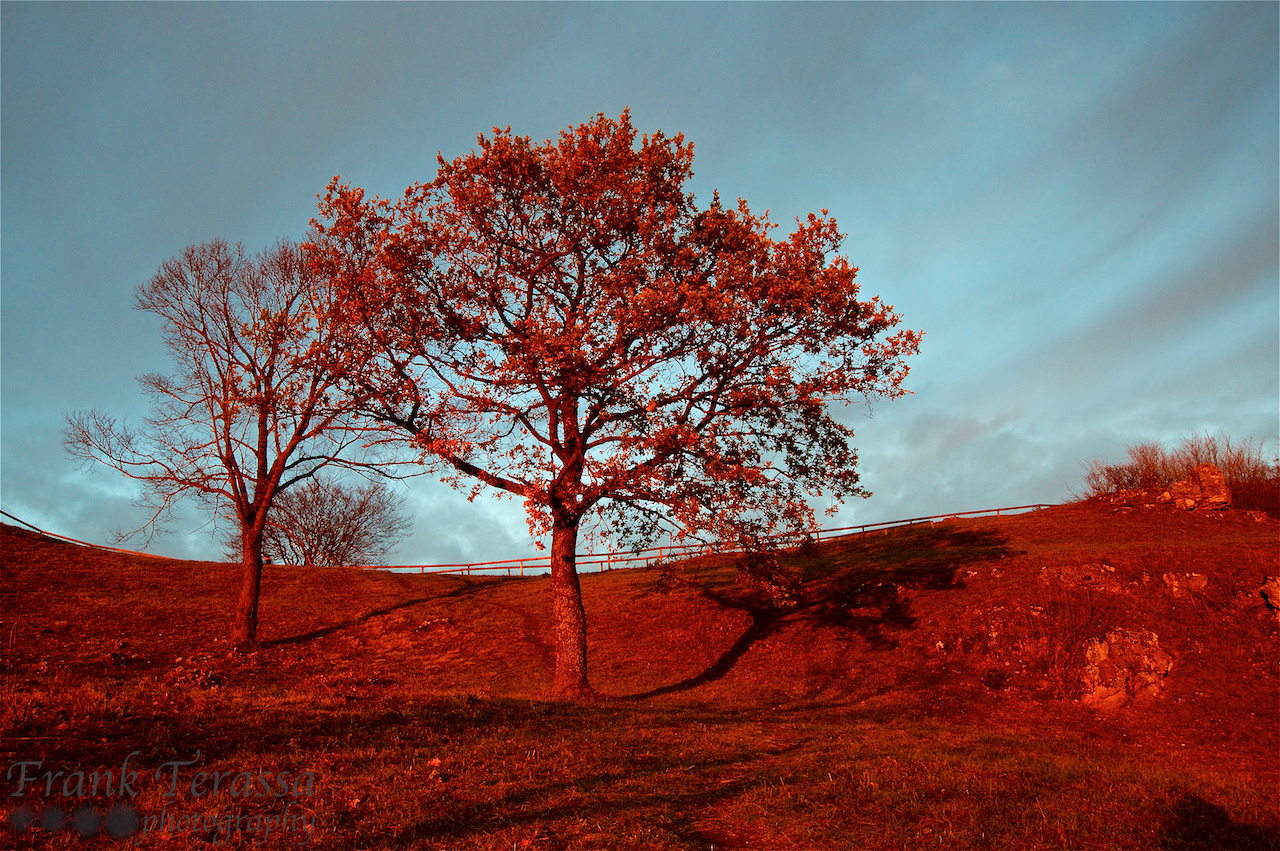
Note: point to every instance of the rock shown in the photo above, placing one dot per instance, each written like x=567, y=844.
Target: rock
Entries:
x=1094, y=575
x=1184, y=494
x=1187, y=583
x=1213, y=487
x=1127, y=665
x=1126, y=498
x=1271, y=594
x=1206, y=489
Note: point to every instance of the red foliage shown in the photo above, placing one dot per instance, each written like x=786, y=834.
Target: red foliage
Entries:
x=562, y=322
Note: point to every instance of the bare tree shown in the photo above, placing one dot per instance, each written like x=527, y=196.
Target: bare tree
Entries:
x=251, y=409
x=322, y=522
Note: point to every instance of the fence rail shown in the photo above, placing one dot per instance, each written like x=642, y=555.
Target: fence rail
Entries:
x=621, y=559
x=58, y=537
x=616, y=559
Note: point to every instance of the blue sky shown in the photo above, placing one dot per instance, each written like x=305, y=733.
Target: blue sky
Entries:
x=1078, y=203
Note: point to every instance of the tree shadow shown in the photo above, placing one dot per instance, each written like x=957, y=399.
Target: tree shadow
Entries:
x=623, y=789
x=467, y=590
x=864, y=586
x=1197, y=823
x=537, y=804
x=764, y=621
x=927, y=556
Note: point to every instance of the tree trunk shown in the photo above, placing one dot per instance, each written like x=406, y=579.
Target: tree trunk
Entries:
x=570, y=619
x=244, y=632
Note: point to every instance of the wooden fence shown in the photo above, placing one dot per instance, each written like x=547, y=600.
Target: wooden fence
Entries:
x=65, y=539
x=616, y=559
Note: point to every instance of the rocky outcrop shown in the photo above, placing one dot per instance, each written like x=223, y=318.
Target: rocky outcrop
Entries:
x=1213, y=487
x=1126, y=496
x=1182, y=495
x=1095, y=576
x=1188, y=584
x=1271, y=594
x=1127, y=665
x=1206, y=489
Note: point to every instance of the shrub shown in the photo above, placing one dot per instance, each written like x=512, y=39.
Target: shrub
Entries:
x=1254, y=482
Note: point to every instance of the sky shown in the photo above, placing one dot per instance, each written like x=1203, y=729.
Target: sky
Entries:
x=1079, y=204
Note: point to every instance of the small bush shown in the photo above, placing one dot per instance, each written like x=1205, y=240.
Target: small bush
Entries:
x=1260, y=495
x=1253, y=481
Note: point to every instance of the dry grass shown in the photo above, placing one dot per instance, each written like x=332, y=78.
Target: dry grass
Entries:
x=918, y=695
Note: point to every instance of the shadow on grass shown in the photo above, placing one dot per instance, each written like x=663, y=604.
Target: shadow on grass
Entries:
x=864, y=587
x=662, y=793
x=614, y=797
x=1198, y=824
x=764, y=621
x=927, y=556
x=507, y=763
x=468, y=590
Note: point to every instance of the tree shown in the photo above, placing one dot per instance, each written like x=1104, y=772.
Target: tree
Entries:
x=251, y=410
x=324, y=522
x=562, y=323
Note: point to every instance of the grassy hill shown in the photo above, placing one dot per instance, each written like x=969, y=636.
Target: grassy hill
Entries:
x=921, y=690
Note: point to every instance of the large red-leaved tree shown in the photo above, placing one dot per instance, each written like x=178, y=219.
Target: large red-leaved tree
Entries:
x=562, y=322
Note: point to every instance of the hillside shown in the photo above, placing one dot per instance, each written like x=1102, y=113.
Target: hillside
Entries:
x=921, y=689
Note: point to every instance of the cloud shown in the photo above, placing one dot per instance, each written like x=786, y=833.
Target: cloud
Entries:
x=1076, y=202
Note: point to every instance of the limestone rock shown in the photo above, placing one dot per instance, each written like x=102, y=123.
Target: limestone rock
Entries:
x=1206, y=489
x=1098, y=576
x=1187, y=583
x=1213, y=487
x=1185, y=494
x=1127, y=665
x=1126, y=497
x=1271, y=594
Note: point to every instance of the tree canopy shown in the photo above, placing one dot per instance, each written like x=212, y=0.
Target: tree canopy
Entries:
x=563, y=322
x=325, y=522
